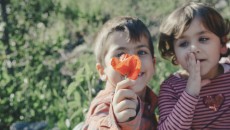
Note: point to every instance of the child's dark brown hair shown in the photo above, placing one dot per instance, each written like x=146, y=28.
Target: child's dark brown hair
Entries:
x=134, y=27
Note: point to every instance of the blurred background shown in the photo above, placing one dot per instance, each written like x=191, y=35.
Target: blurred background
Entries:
x=47, y=65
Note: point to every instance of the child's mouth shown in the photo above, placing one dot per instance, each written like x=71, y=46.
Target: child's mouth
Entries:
x=140, y=74
x=201, y=60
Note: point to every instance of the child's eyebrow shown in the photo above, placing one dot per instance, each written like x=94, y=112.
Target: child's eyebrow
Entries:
x=121, y=48
x=140, y=46
x=137, y=47
x=202, y=32
x=197, y=34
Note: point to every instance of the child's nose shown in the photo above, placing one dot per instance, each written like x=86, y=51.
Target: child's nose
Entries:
x=194, y=49
x=132, y=52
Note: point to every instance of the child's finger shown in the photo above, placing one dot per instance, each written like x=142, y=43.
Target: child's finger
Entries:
x=122, y=94
x=125, y=104
x=126, y=114
x=125, y=84
x=197, y=68
x=191, y=62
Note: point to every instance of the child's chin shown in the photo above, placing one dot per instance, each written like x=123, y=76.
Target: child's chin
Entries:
x=140, y=90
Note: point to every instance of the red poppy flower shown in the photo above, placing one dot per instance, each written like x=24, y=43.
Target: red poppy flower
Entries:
x=127, y=65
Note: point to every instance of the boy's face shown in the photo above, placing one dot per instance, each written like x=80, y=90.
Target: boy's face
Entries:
x=204, y=44
x=118, y=45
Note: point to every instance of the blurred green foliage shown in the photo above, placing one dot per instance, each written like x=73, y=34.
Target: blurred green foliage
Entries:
x=47, y=64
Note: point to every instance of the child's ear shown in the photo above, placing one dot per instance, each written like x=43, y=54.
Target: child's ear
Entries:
x=154, y=60
x=100, y=70
x=174, y=60
x=223, y=50
x=154, y=65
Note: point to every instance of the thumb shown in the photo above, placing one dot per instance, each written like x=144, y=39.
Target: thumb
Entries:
x=205, y=82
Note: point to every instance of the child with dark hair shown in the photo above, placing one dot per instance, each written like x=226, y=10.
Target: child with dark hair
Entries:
x=126, y=103
x=194, y=36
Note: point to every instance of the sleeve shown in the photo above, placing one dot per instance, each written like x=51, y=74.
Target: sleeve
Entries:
x=175, y=113
x=101, y=117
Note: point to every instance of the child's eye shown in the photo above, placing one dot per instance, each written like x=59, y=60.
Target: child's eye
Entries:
x=203, y=39
x=184, y=44
x=141, y=52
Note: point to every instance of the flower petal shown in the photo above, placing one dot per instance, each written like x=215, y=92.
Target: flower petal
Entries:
x=135, y=64
x=128, y=65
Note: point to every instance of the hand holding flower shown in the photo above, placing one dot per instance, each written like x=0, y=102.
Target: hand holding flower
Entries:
x=125, y=101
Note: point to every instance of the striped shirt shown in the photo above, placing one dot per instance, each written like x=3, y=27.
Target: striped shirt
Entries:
x=180, y=111
x=101, y=117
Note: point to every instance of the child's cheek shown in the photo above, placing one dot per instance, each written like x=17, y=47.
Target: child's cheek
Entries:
x=114, y=76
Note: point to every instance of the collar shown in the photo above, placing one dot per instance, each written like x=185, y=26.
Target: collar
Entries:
x=150, y=99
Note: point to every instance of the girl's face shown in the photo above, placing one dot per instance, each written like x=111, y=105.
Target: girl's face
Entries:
x=205, y=45
x=118, y=45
